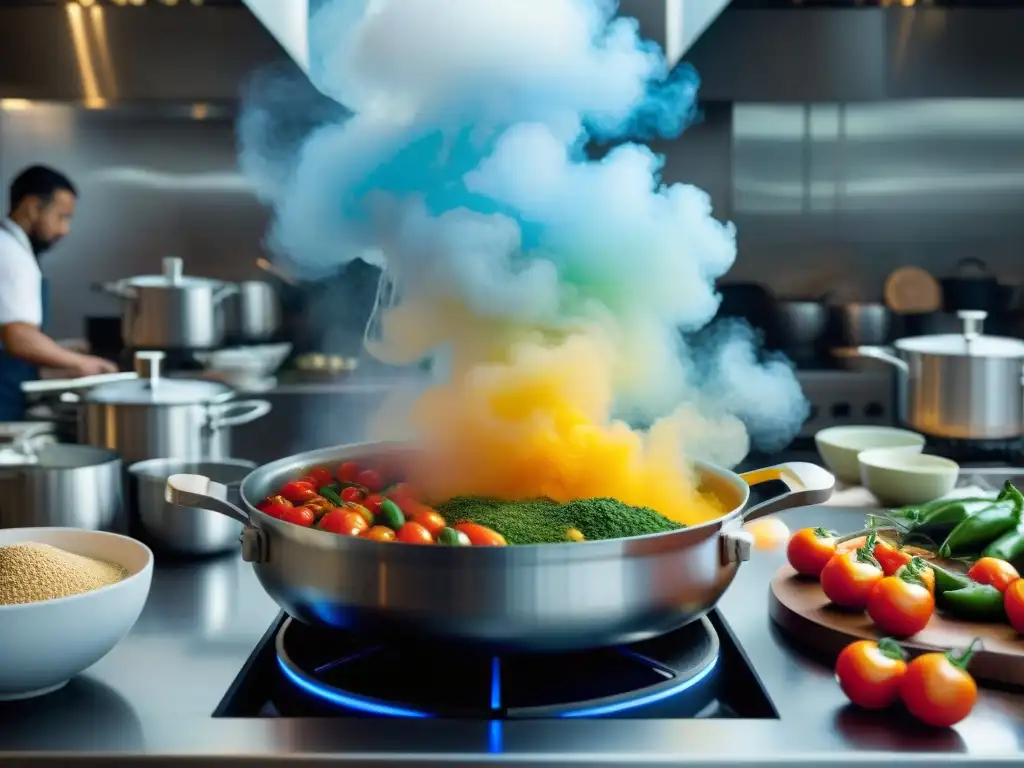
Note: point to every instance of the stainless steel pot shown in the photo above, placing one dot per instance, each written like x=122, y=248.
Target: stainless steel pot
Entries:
x=253, y=313
x=186, y=530
x=155, y=417
x=964, y=386
x=73, y=486
x=540, y=597
x=171, y=311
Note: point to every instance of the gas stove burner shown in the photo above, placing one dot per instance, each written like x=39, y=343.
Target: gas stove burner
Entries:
x=334, y=673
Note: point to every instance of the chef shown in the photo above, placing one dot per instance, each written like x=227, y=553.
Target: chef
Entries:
x=42, y=203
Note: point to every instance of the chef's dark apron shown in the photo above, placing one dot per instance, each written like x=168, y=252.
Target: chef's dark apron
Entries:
x=14, y=371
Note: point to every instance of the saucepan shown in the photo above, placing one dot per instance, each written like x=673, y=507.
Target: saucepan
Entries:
x=546, y=597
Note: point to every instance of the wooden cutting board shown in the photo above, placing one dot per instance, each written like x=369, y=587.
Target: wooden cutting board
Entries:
x=800, y=608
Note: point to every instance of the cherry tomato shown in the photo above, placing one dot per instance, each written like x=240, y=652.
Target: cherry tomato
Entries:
x=938, y=690
x=303, y=516
x=363, y=512
x=430, y=520
x=809, y=549
x=279, y=500
x=851, y=545
x=372, y=502
x=333, y=521
x=274, y=510
x=870, y=673
x=991, y=570
x=847, y=579
x=1013, y=601
x=414, y=533
x=901, y=606
x=320, y=476
x=922, y=571
x=352, y=493
x=890, y=558
x=380, y=533
x=298, y=491
x=347, y=472
x=319, y=505
x=481, y=535
x=402, y=492
x=370, y=480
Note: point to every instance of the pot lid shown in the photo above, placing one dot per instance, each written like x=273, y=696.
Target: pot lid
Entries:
x=173, y=277
x=159, y=392
x=970, y=343
x=153, y=389
x=958, y=344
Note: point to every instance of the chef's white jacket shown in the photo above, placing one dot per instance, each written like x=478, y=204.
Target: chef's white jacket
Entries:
x=20, y=278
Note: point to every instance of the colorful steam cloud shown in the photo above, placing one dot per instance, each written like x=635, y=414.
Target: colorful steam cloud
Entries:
x=565, y=290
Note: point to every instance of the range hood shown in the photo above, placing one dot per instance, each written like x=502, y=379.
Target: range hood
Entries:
x=104, y=53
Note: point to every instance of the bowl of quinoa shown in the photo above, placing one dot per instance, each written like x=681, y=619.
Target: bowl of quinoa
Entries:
x=67, y=597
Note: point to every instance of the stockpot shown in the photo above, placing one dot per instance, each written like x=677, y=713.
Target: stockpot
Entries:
x=171, y=311
x=186, y=530
x=543, y=597
x=253, y=313
x=149, y=416
x=964, y=386
x=66, y=486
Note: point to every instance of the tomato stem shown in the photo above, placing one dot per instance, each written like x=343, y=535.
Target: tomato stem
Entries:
x=913, y=571
x=865, y=532
x=892, y=649
x=866, y=554
x=824, y=533
x=964, y=657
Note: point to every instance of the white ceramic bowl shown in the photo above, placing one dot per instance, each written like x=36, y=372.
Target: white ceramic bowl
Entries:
x=839, y=446
x=43, y=645
x=897, y=477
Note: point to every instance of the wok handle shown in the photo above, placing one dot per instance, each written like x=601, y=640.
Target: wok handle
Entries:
x=202, y=493
x=807, y=483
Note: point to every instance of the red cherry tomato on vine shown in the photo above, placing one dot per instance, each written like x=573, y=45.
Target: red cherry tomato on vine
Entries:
x=991, y=570
x=298, y=491
x=372, y=502
x=319, y=477
x=809, y=549
x=414, y=533
x=352, y=494
x=303, y=516
x=937, y=688
x=870, y=673
x=380, y=533
x=274, y=510
x=430, y=520
x=901, y=606
x=370, y=479
x=847, y=579
x=1013, y=602
x=481, y=535
x=347, y=472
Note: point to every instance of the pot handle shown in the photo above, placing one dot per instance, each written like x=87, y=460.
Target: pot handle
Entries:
x=878, y=353
x=202, y=493
x=237, y=412
x=119, y=289
x=807, y=483
x=228, y=289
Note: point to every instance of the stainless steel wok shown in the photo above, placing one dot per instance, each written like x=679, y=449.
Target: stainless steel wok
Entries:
x=542, y=597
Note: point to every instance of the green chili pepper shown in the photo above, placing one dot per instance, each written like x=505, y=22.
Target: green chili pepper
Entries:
x=975, y=602
x=1010, y=493
x=981, y=529
x=332, y=496
x=1008, y=547
x=948, y=581
x=952, y=513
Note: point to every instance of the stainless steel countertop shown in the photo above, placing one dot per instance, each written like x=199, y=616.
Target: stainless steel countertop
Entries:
x=153, y=696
